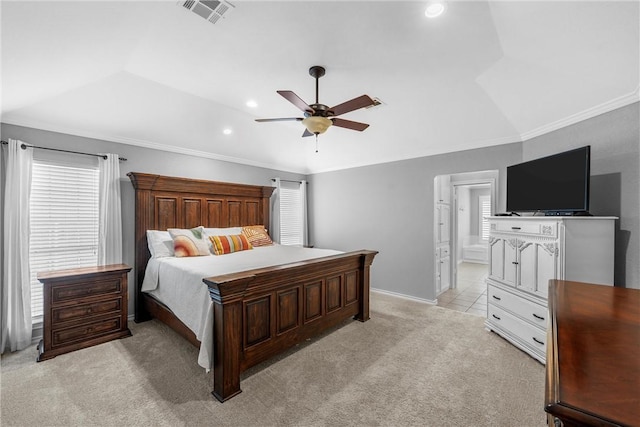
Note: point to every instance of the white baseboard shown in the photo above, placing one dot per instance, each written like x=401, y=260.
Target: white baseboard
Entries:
x=403, y=296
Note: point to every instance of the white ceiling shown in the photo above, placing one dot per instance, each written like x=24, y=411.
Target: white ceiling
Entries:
x=154, y=74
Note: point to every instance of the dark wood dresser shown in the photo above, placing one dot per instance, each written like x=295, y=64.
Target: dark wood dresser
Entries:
x=593, y=355
x=83, y=307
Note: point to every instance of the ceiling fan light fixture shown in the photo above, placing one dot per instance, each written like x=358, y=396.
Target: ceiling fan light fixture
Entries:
x=317, y=124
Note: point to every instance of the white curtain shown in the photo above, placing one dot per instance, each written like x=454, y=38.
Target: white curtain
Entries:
x=110, y=220
x=274, y=227
x=305, y=224
x=16, y=280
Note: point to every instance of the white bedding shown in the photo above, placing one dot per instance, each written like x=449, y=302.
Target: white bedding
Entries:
x=177, y=282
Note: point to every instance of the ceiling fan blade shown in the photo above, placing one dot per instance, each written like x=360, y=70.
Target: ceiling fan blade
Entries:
x=349, y=124
x=295, y=100
x=282, y=119
x=353, y=104
x=306, y=133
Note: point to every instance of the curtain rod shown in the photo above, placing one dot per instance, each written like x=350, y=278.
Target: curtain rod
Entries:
x=25, y=146
x=288, y=180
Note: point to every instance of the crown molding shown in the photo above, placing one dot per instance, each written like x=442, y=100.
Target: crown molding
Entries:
x=621, y=101
x=146, y=144
x=606, y=107
x=474, y=145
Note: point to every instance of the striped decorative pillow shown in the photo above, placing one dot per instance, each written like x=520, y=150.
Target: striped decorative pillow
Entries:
x=228, y=244
x=257, y=235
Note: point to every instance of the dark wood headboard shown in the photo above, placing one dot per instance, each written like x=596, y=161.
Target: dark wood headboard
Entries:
x=164, y=202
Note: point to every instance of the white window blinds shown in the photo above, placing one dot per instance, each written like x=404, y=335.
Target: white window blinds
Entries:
x=484, y=204
x=64, y=221
x=291, y=214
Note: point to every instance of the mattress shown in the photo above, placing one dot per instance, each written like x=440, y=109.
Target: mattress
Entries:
x=177, y=283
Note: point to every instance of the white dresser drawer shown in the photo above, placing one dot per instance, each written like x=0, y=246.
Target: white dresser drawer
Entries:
x=528, y=334
x=529, y=311
x=542, y=228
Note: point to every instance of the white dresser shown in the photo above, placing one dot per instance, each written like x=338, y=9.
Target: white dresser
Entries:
x=524, y=254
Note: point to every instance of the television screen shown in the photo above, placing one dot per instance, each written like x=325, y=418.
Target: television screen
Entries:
x=555, y=184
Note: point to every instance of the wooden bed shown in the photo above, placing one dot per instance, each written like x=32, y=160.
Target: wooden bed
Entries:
x=257, y=313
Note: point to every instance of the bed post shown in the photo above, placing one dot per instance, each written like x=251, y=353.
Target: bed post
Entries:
x=144, y=213
x=227, y=334
x=364, y=285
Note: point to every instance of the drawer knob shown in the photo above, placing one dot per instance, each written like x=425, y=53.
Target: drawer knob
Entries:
x=514, y=262
x=495, y=297
x=496, y=317
x=538, y=317
x=538, y=341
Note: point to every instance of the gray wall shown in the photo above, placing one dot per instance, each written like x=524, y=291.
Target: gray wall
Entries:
x=145, y=160
x=389, y=208
x=614, y=138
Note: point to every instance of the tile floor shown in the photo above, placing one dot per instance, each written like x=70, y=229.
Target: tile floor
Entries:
x=471, y=293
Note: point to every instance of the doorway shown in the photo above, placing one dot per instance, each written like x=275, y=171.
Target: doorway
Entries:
x=472, y=199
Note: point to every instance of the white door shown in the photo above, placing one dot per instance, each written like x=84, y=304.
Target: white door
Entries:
x=510, y=261
x=443, y=212
x=546, y=268
x=496, y=258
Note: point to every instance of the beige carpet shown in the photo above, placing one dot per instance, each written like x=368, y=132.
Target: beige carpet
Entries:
x=411, y=364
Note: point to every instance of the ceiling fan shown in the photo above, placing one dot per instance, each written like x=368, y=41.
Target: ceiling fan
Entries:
x=319, y=117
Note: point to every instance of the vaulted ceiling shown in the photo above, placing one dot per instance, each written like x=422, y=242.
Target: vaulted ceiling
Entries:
x=154, y=74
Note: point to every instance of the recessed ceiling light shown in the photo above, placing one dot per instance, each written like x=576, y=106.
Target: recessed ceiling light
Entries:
x=252, y=104
x=434, y=10
x=227, y=131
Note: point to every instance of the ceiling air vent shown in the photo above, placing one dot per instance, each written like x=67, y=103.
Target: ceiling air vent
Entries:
x=210, y=10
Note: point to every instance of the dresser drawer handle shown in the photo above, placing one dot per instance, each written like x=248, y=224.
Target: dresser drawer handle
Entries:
x=496, y=317
x=495, y=297
x=538, y=341
x=537, y=317
x=515, y=228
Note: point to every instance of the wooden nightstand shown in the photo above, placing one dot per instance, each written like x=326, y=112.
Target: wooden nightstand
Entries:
x=83, y=307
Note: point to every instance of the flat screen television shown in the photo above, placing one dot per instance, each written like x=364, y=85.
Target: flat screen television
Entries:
x=556, y=185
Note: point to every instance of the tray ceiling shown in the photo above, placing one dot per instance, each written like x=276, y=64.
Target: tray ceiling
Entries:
x=155, y=74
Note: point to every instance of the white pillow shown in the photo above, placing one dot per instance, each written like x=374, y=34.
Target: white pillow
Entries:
x=160, y=243
x=229, y=231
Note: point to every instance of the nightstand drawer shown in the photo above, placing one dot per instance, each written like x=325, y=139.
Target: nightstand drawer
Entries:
x=83, y=311
x=84, y=290
x=85, y=332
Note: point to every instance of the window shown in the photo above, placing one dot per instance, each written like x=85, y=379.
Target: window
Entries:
x=64, y=221
x=292, y=213
x=484, y=210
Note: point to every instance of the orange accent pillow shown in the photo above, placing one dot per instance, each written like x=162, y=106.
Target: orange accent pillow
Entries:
x=257, y=235
x=228, y=244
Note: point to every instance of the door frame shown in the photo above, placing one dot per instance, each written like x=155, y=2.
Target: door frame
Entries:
x=453, y=252
x=490, y=177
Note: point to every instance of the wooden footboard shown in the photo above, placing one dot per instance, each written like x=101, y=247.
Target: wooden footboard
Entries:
x=260, y=313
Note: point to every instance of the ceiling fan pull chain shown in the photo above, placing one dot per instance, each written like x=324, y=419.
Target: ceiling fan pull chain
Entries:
x=316, y=142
